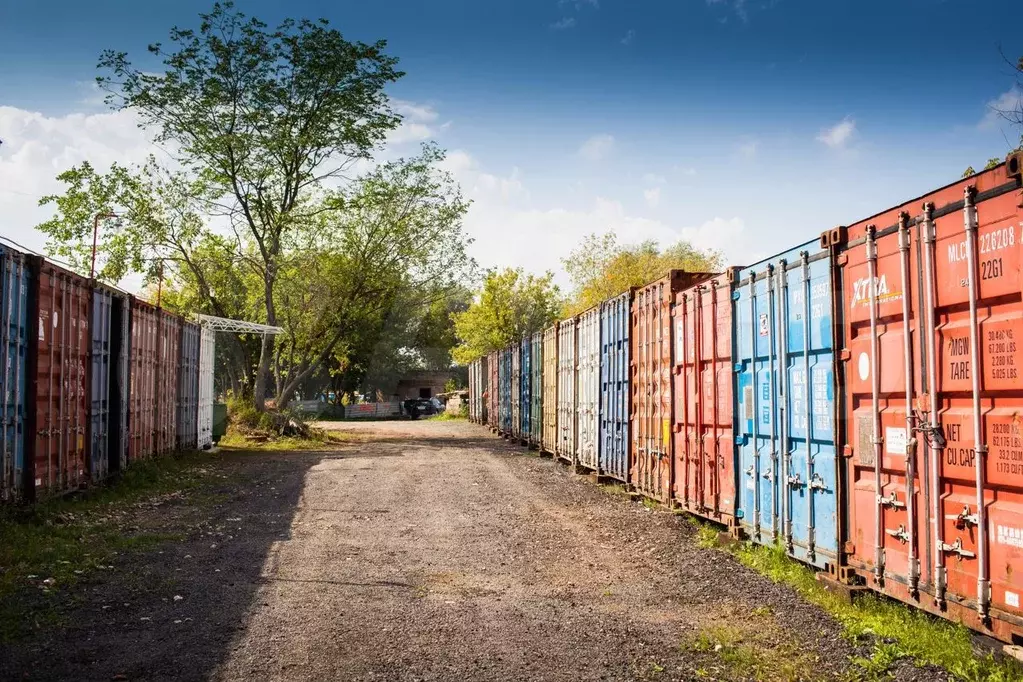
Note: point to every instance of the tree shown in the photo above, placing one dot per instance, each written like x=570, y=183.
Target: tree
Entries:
x=510, y=305
x=601, y=268
x=258, y=119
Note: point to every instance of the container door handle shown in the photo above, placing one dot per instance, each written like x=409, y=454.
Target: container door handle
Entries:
x=795, y=481
x=899, y=534
x=817, y=483
x=890, y=501
x=957, y=548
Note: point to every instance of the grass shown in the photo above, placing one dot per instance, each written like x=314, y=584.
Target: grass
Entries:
x=448, y=417
x=235, y=440
x=899, y=630
x=48, y=548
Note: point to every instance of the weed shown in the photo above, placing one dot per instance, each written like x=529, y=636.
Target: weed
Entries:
x=880, y=662
x=651, y=504
x=448, y=417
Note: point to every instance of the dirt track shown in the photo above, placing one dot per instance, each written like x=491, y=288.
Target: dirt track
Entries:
x=432, y=552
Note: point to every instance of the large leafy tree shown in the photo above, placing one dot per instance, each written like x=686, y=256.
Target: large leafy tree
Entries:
x=601, y=268
x=509, y=305
x=257, y=119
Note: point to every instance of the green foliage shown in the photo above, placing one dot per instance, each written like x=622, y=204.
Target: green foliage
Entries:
x=601, y=268
x=510, y=305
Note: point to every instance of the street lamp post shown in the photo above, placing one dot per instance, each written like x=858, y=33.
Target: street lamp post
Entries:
x=95, y=235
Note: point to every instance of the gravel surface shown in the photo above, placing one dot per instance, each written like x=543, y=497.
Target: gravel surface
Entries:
x=432, y=551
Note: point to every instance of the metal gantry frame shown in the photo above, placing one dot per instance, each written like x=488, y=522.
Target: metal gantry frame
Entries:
x=210, y=325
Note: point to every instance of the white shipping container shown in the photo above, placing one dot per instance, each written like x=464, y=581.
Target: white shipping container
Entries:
x=588, y=388
x=566, y=391
x=207, y=348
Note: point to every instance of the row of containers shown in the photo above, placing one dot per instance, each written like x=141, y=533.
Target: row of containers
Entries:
x=92, y=380
x=857, y=400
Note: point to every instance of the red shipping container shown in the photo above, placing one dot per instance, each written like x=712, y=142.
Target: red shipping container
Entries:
x=492, y=391
x=704, y=463
x=59, y=386
x=933, y=339
x=651, y=413
x=145, y=323
x=169, y=376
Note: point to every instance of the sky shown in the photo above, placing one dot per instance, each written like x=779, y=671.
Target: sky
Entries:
x=746, y=126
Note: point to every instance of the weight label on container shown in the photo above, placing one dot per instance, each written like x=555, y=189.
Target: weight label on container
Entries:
x=762, y=325
x=895, y=441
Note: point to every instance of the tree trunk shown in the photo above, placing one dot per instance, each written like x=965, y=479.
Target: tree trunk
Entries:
x=266, y=349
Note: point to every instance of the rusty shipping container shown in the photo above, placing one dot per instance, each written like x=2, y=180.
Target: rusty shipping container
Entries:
x=651, y=412
x=615, y=315
x=188, y=388
x=60, y=387
x=493, y=390
x=15, y=284
x=168, y=374
x=704, y=444
x=549, y=437
x=144, y=355
x=110, y=329
x=587, y=408
x=933, y=440
x=567, y=367
x=537, y=393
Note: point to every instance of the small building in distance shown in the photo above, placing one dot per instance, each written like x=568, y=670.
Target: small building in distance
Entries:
x=423, y=383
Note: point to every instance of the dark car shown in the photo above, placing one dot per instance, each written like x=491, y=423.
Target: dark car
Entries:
x=414, y=408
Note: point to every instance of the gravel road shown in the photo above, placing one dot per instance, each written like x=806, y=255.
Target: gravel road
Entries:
x=432, y=551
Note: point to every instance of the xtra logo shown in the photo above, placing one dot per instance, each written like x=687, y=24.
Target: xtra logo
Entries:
x=862, y=291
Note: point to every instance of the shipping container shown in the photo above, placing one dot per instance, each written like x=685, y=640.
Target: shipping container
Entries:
x=932, y=444
x=537, y=394
x=549, y=437
x=505, y=399
x=108, y=407
x=15, y=283
x=59, y=389
x=144, y=355
x=565, y=448
x=615, y=325
x=188, y=388
x=207, y=353
x=168, y=373
x=587, y=410
x=786, y=412
x=493, y=390
x=651, y=414
x=525, y=388
x=704, y=444
x=473, y=390
x=515, y=359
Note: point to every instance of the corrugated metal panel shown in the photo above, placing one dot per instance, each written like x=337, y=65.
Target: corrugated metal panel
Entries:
x=704, y=444
x=207, y=353
x=588, y=388
x=537, y=394
x=142, y=396
x=786, y=408
x=652, y=386
x=505, y=391
x=525, y=388
x=15, y=283
x=108, y=410
x=515, y=359
x=549, y=438
x=188, y=388
x=493, y=390
x=615, y=325
x=169, y=372
x=934, y=466
x=565, y=448
x=61, y=382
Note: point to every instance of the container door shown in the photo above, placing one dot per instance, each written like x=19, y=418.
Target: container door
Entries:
x=588, y=368
x=614, y=388
x=207, y=349
x=536, y=363
x=100, y=388
x=14, y=285
x=525, y=400
x=550, y=390
x=567, y=390
x=809, y=464
x=652, y=391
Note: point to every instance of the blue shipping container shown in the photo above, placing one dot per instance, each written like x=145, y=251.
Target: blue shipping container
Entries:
x=525, y=386
x=108, y=386
x=784, y=423
x=614, y=386
x=536, y=389
x=14, y=287
x=505, y=393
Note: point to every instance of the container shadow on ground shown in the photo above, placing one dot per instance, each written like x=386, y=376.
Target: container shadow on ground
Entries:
x=173, y=613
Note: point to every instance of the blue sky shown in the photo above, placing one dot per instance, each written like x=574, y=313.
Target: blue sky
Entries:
x=743, y=125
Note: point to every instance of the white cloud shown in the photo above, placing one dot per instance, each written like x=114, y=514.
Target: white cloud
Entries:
x=597, y=147
x=748, y=149
x=563, y=23
x=630, y=35
x=418, y=123
x=413, y=111
x=1009, y=101
x=688, y=171
x=652, y=196
x=654, y=179
x=837, y=135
